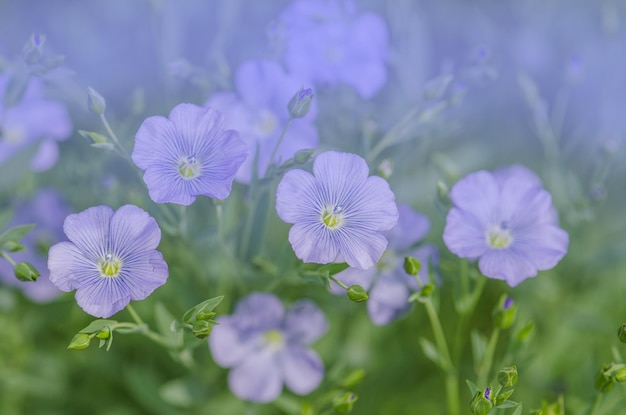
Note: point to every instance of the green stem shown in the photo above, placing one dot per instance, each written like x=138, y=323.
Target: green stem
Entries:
x=116, y=141
x=8, y=258
x=155, y=337
x=134, y=314
x=466, y=314
x=485, y=367
x=339, y=283
x=451, y=380
x=219, y=215
x=278, y=143
x=596, y=404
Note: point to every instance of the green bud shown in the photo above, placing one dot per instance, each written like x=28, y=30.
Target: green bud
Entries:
x=33, y=49
x=345, y=402
x=13, y=246
x=502, y=397
x=80, y=341
x=604, y=382
x=412, y=266
x=505, y=312
x=104, y=333
x=26, y=272
x=621, y=333
x=481, y=402
x=620, y=375
x=443, y=193
x=206, y=315
x=303, y=156
x=201, y=329
x=300, y=103
x=385, y=169
x=95, y=102
x=357, y=293
x=507, y=377
x=353, y=378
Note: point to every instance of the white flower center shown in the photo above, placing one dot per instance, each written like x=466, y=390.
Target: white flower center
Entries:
x=274, y=339
x=266, y=123
x=109, y=266
x=13, y=135
x=189, y=167
x=332, y=217
x=499, y=236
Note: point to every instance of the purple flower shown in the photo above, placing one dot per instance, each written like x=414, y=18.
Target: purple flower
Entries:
x=33, y=120
x=188, y=154
x=46, y=210
x=328, y=42
x=388, y=283
x=507, y=221
x=111, y=258
x=338, y=212
x=266, y=347
x=259, y=111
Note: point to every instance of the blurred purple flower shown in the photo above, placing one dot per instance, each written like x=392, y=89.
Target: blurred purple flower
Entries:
x=338, y=212
x=111, y=258
x=259, y=112
x=266, y=347
x=388, y=283
x=507, y=221
x=33, y=120
x=47, y=210
x=188, y=154
x=328, y=42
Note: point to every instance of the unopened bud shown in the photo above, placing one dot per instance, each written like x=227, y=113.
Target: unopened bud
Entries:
x=303, y=156
x=345, y=402
x=95, y=102
x=104, y=334
x=26, y=272
x=621, y=333
x=507, y=377
x=412, y=266
x=357, y=293
x=33, y=49
x=300, y=103
x=481, y=402
x=201, y=329
x=505, y=312
x=80, y=341
x=604, y=382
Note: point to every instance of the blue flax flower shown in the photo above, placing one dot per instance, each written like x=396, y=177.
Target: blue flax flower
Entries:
x=46, y=209
x=338, y=212
x=110, y=259
x=388, y=283
x=266, y=347
x=259, y=112
x=506, y=220
x=328, y=42
x=188, y=154
x=33, y=121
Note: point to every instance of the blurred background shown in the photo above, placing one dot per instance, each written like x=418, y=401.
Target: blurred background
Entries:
x=461, y=85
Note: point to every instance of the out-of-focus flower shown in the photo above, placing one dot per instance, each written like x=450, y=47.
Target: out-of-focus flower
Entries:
x=338, y=212
x=259, y=112
x=110, y=259
x=47, y=210
x=328, y=42
x=266, y=347
x=188, y=154
x=33, y=120
x=388, y=283
x=507, y=221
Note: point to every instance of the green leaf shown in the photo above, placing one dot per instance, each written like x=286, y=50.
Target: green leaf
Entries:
x=332, y=269
x=208, y=305
x=508, y=404
x=430, y=351
x=472, y=387
x=93, y=138
x=14, y=234
x=518, y=410
x=479, y=346
x=97, y=326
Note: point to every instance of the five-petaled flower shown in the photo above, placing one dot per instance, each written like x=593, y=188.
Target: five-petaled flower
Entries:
x=388, y=283
x=266, y=347
x=110, y=259
x=188, y=154
x=338, y=212
x=507, y=221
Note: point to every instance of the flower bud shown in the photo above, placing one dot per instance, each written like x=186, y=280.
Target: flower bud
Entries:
x=95, y=102
x=345, y=402
x=443, y=193
x=104, y=334
x=481, y=402
x=357, y=293
x=412, y=266
x=300, y=103
x=33, y=49
x=202, y=329
x=604, y=382
x=621, y=333
x=353, y=378
x=303, y=156
x=507, y=377
x=80, y=341
x=26, y=272
x=504, y=314
x=620, y=374
x=385, y=169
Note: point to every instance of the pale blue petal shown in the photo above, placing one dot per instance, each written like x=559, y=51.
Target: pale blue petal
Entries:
x=89, y=231
x=304, y=322
x=303, y=369
x=258, y=378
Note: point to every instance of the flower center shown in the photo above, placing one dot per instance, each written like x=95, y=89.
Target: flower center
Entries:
x=332, y=216
x=109, y=266
x=189, y=167
x=266, y=123
x=274, y=339
x=13, y=135
x=500, y=236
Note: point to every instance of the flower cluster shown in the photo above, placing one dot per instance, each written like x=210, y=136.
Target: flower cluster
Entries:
x=338, y=212
x=110, y=259
x=506, y=220
x=266, y=347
